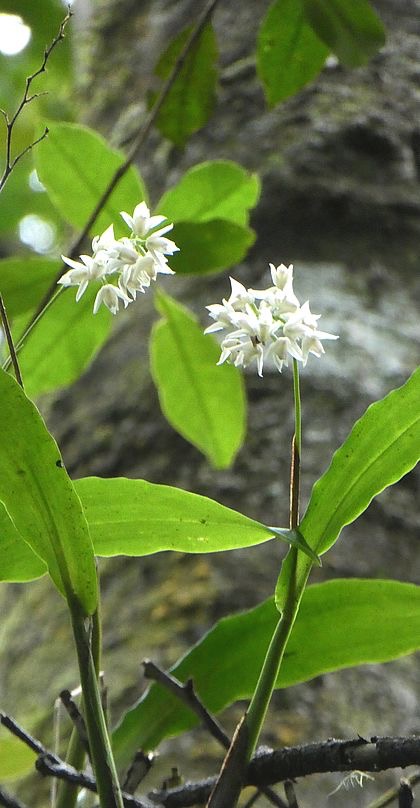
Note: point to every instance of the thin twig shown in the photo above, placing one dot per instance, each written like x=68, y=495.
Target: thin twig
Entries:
x=137, y=771
x=252, y=800
x=18, y=731
x=139, y=141
x=10, y=343
x=289, y=790
x=391, y=794
x=10, y=162
x=7, y=801
x=187, y=695
x=76, y=718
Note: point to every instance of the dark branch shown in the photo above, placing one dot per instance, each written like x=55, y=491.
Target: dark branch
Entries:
x=7, y=801
x=389, y=796
x=76, y=718
x=26, y=99
x=10, y=343
x=268, y=767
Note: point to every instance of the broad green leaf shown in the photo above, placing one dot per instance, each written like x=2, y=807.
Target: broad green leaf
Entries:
x=209, y=246
x=203, y=402
x=63, y=343
x=340, y=625
x=190, y=101
x=217, y=189
x=24, y=281
x=352, y=30
x=136, y=518
x=289, y=53
x=76, y=166
x=17, y=561
x=40, y=497
x=382, y=446
x=16, y=759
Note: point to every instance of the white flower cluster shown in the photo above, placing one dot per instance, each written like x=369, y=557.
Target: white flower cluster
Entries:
x=267, y=324
x=133, y=262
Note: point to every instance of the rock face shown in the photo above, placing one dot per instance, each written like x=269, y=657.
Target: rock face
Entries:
x=340, y=168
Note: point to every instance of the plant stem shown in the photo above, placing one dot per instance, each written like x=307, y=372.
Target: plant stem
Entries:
x=21, y=341
x=273, y=659
x=109, y=790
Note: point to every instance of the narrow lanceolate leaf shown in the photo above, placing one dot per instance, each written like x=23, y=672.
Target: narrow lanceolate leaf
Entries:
x=190, y=101
x=210, y=246
x=340, y=624
x=382, y=446
x=76, y=166
x=63, y=343
x=203, y=402
x=40, y=497
x=17, y=561
x=24, y=281
x=353, y=30
x=217, y=189
x=136, y=518
x=289, y=53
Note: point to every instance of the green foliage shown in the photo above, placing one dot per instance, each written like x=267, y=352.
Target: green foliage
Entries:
x=136, y=518
x=216, y=189
x=341, y=623
x=210, y=246
x=63, y=342
x=40, y=497
x=203, y=402
x=24, y=282
x=16, y=759
x=382, y=446
x=17, y=561
x=352, y=30
x=76, y=166
x=190, y=101
x=289, y=53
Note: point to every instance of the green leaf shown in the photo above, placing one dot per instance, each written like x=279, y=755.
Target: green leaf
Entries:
x=63, y=343
x=40, y=497
x=209, y=246
x=217, y=189
x=190, y=101
x=136, y=518
x=352, y=30
x=382, y=446
x=24, y=281
x=16, y=759
x=340, y=624
x=76, y=166
x=289, y=53
x=203, y=402
x=17, y=561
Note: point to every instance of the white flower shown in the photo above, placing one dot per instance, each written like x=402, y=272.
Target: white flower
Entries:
x=81, y=273
x=104, y=242
x=267, y=324
x=159, y=246
x=136, y=277
x=110, y=296
x=141, y=222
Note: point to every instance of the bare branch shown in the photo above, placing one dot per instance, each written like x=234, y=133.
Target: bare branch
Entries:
x=7, y=801
x=26, y=99
x=76, y=718
x=389, y=796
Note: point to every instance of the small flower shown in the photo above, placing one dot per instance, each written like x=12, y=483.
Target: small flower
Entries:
x=110, y=296
x=159, y=246
x=82, y=272
x=267, y=324
x=141, y=222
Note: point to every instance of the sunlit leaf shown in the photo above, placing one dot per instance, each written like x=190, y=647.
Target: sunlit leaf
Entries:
x=190, y=101
x=340, y=625
x=76, y=166
x=40, y=497
x=217, y=189
x=63, y=343
x=16, y=759
x=203, y=402
x=352, y=30
x=24, y=281
x=17, y=561
x=289, y=53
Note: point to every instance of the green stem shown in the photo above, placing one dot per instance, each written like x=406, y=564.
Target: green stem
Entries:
x=109, y=790
x=31, y=326
x=67, y=793
x=297, y=582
